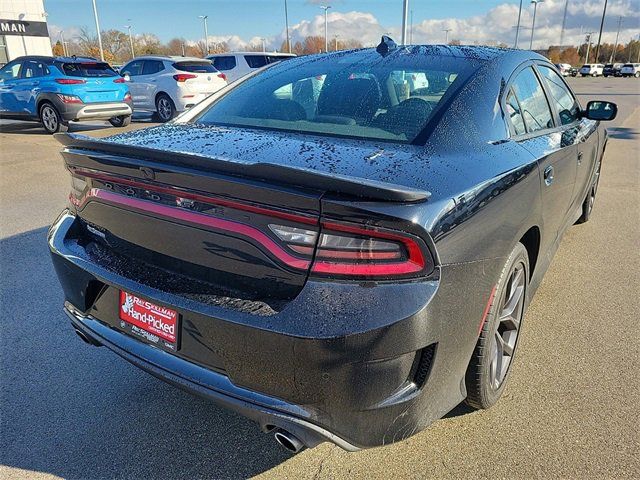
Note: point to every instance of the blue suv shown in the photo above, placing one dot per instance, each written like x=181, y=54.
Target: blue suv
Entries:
x=57, y=90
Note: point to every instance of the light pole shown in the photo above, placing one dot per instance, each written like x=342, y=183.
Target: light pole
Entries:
x=612, y=58
x=588, y=39
x=128, y=27
x=206, y=33
x=604, y=12
x=335, y=38
x=405, y=13
x=263, y=46
x=446, y=35
x=64, y=48
x=286, y=25
x=95, y=15
x=533, y=25
x=411, y=28
x=326, y=38
x=564, y=22
x=518, y=26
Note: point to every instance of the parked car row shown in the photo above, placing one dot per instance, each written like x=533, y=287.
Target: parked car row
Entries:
x=598, y=69
x=57, y=90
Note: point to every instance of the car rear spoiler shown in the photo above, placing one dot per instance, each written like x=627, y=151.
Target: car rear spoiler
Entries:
x=293, y=176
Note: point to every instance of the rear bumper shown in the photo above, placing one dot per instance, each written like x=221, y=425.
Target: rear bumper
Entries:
x=185, y=100
x=267, y=411
x=339, y=363
x=94, y=111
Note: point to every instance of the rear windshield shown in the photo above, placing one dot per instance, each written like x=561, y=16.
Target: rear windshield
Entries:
x=195, y=67
x=628, y=65
x=362, y=95
x=259, y=61
x=89, y=69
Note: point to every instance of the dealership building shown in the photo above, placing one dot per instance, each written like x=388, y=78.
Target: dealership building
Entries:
x=23, y=29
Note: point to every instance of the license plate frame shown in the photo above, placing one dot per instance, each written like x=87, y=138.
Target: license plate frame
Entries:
x=148, y=321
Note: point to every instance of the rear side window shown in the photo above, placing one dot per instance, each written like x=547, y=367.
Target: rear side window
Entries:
x=33, y=69
x=515, y=115
x=195, y=67
x=152, y=66
x=224, y=63
x=88, y=69
x=533, y=102
x=566, y=104
x=132, y=68
x=256, y=61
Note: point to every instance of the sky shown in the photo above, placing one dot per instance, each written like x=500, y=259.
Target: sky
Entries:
x=242, y=22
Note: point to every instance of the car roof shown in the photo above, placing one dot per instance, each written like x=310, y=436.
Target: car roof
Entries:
x=173, y=58
x=273, y=54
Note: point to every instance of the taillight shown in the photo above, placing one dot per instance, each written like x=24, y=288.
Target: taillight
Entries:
x=222, y=76
x=69, y=98
x=70, y=81
x=183, y=77
x=357, y=252
x=127, y=97
x=119, y=80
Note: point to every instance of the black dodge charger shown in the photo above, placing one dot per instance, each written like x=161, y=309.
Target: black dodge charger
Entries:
x=340, y=247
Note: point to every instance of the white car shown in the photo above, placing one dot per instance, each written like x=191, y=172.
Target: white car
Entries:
x=167, y=86
x=630, y=70
x=236, y=65
x=564, y=69
x=591, y=69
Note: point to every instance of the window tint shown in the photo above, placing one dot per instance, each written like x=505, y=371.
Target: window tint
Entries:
x=256, y=61
x=133, y=68
x=88, y=69
x=152, y=66
x=195, y=67
x=10, y=71
x=33, y=69
x=224, y=63
x=566, y=104
x=513, y=110
x=533, y=102
x=371, y=97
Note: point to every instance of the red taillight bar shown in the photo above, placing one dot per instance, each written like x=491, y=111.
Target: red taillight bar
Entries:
x=198, y=197
x=70, y=81
x=119, y=80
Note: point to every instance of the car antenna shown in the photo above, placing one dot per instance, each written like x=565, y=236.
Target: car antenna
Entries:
x=386, y=46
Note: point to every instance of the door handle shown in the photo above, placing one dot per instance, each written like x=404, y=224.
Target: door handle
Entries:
x=579, y=158
x=548, y=175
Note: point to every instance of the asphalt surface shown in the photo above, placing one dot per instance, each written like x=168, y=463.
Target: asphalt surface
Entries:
x=571, y=409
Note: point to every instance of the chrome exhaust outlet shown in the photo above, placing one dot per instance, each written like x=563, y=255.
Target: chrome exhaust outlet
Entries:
x=289, y=441
x=86, y=339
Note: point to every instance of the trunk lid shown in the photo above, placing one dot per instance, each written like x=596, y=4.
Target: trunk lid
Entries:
x=242, y=224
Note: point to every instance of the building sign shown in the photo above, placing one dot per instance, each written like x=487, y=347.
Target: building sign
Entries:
x=23, y=28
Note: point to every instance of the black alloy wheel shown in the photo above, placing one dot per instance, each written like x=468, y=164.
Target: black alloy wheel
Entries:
x=494, y=354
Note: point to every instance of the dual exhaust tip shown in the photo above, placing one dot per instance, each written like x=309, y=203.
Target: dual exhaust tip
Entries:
x=289, y=441
x=286, y=439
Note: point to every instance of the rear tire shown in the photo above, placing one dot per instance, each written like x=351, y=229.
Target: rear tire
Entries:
x=121, y=121
x=50, y=119
x=165, y=109
x=492, y=359
x=589, y=200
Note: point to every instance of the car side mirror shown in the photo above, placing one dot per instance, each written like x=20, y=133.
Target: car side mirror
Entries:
x=599, y=110
x=127, y=77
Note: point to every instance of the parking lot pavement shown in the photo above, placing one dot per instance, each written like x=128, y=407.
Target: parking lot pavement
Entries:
x=571, y=409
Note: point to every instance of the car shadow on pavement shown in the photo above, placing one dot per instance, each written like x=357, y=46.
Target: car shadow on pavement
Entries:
x=77, y=411
x=30, y=128
x=622, y=133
